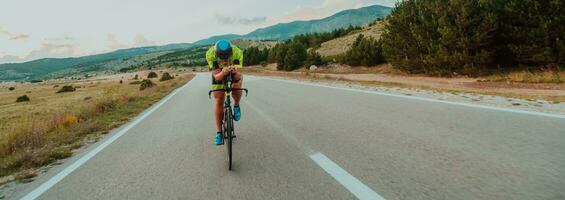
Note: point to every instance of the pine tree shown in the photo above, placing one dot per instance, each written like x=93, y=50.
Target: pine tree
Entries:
x=295, y=56
x=535, y=31
x=440, y=37
x=313, y=58
x=364, y=51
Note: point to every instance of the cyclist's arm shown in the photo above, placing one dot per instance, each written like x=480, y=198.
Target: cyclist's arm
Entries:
x=220, y=73
x=237, y=57
x=211, y=59
x=213, y=64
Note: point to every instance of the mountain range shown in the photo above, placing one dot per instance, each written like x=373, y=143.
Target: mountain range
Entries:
x=53, y=67
x=284, y=31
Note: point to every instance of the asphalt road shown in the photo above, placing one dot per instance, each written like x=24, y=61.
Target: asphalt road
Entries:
x=302, y=141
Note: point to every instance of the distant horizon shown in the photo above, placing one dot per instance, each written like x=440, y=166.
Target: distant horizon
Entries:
x=19, y=46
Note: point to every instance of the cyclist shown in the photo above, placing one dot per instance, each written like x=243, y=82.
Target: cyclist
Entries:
x=222, y=59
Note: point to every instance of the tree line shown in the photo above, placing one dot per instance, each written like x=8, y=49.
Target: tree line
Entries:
x=475, y=37
x=445, y=37
x=294, y=53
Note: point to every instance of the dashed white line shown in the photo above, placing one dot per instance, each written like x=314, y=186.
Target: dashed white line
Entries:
x=356, y=187
x=360, y=190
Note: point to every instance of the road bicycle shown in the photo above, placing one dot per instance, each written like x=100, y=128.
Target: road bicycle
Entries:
x=228, y=131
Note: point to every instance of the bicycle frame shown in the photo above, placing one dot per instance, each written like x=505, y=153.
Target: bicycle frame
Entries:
x=227, y=122
x=228, y=90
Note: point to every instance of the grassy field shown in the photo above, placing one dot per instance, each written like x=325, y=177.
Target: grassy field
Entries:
x=51, y=125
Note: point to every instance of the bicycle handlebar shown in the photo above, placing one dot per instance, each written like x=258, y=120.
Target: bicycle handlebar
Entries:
x=232, y=89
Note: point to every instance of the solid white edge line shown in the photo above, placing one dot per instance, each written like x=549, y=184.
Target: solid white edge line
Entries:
x=356, y=187
x=543, y=114
x=69, y=169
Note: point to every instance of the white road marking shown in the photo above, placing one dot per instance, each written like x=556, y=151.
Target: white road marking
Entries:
x=543, y=114
x=69, y=169
x=360, y=190
x=356, y=187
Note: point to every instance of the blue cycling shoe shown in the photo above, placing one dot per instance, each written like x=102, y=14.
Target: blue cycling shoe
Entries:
x=219, y=140
x=236, y=113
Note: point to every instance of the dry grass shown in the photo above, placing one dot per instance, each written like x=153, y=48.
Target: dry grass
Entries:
x=51, y=125
x=342, y=44
x=524, y=76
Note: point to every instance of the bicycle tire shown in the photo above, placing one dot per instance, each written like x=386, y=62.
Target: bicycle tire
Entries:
x=229, y=134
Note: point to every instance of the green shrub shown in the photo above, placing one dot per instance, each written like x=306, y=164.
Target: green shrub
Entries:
x=22, y=98
x=146, y=83
x=135, y=83
x=11, y=88
x=254, y=55
x=365, y=51
x=313, y=58
x=66, y=88
x=152, y=75
x=166, y=76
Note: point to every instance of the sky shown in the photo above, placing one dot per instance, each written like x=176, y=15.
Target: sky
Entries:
x=33, y=29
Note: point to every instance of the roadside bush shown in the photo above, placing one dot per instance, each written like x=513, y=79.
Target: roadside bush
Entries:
x=166, y=76
x=290, y=56
x=62, y=120
x=11, y=88
x=254, y=55
x=313, y=58
x=365, y=51
x=66, y=88
x=22, y=98
x=136, y=77
x=146, y=83
x=135, y=83
x=152, y=75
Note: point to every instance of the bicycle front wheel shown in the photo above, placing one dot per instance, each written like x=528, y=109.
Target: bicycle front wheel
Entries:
x=229, y=136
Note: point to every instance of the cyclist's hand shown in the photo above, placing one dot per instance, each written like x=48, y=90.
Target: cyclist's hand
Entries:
x=232, y=69
x=226, y=70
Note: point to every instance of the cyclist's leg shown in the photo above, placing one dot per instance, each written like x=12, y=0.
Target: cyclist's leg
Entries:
x=239, y=84
x=218, y=101
x=219, y=109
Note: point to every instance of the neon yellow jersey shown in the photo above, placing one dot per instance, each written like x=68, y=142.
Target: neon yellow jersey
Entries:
x=237, y=57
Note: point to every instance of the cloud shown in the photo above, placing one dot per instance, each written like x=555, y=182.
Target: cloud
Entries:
x=4, y=32
x=10, y=59
x=243, y=21
x=13, y=36
x=113, y=42
x=140, y=40
x=20, y=37
x=54, y=50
